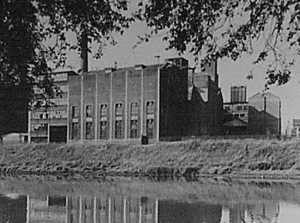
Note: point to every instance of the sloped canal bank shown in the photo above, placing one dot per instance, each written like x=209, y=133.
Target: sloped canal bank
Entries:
x=234, y=158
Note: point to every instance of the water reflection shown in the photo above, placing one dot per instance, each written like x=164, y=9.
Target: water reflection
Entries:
x=124, y=209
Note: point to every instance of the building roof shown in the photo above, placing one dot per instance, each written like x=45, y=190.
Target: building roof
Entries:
x=235, y=103
x=267, y=94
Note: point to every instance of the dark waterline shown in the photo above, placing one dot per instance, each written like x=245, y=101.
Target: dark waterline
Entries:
x=141, y=201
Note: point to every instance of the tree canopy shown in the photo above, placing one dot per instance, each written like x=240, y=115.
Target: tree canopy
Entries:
x=25, y=27
x=212, y=29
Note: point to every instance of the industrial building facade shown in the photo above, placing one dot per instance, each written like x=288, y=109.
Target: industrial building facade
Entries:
x=127, y=103
x=50, y=123
x=155, y=101
x=260, y=115
x=205, y=105
x=265, y=114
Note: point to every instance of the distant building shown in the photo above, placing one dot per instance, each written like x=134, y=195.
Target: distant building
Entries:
x=265, y=114
x=205, y=102
x=236, y=117
x=236, y=112
x=261, y=115
x=238, y=94
x=296, y=128
x=49, y=123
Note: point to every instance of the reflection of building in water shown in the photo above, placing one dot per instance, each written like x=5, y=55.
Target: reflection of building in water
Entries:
x=237, y=213
x=119, y=209
x=91, y=210
x=256, y=213
x=12, y=209
x=173, y=212
x=46, y=209
x=263, y=212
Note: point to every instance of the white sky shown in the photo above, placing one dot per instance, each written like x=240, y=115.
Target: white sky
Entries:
x=230, y=72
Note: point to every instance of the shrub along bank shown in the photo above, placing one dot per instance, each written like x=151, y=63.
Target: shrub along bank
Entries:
x=242, y=158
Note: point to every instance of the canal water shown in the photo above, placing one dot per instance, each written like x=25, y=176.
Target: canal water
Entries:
x=27, y=200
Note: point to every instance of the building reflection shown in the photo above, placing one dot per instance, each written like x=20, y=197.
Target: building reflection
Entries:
x=263, y=212
x=12, y=209
x=266, y=212
x=104, y=209
x=114, y=209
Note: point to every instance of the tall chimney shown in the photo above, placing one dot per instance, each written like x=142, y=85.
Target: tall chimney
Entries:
x=84, y=52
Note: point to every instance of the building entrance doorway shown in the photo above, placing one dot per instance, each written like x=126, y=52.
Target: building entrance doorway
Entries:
x=58, y=133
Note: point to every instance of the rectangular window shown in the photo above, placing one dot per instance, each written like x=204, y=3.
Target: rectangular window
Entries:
x=150, y=128
x=239, y=108
x=103, y=130
x=134, y=112
x=103, y=110
x=150, y=107
x=89, y=130
x=75, y=130
x=134, y=129
x=119, y=129
x=103, y=121
x=89, y=111
x=134, y=108
x=119, y=109
x=75, y=111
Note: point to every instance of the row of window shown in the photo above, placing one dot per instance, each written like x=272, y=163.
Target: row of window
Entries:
x=118, y=124
x=242, y=115
x=238, y=108
x=58, y=114
x=119, y=129
x=119, y=110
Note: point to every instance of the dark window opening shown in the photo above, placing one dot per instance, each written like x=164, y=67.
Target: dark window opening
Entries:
x=89, y=130
x=75, y=111
x=103, y=130
x=119, y=129
x=150, y=128
x=103, y=110
x=134, y=129
x=119, y=109
x=75, y=130
x=89, y=111
x=150, y=107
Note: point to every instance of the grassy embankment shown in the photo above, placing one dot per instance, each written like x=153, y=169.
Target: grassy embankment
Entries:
x=241, y=158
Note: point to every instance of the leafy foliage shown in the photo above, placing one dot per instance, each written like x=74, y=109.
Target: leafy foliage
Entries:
x=25, y=26
x=212, y=29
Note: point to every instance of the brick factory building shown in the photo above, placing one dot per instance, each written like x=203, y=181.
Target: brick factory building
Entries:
x=131, y=102
x=126, y=103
